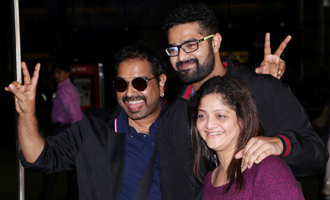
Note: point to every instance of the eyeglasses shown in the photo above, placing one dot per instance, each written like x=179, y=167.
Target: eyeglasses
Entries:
x=139, y=83
x=187, y=47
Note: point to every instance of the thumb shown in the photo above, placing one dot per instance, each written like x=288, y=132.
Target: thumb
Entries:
x=239, y=154
x=258, y=70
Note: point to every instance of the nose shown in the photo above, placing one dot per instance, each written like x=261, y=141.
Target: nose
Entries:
x=210, y=123
x=130, y=90
x=182, y=54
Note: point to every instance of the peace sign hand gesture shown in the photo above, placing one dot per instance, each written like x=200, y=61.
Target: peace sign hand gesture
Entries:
x=25, y=95
x=272, y=63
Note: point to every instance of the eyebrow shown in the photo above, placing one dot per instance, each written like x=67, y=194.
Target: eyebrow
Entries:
x=218, y=110
x=132, y=77
x=185, y=41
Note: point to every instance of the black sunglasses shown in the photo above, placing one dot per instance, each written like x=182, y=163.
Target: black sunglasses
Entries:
x=139, y=83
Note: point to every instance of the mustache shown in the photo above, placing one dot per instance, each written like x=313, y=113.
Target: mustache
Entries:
x=191, y=60
x=135, y=98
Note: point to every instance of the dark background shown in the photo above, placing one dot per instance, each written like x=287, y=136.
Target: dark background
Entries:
x=84, y=31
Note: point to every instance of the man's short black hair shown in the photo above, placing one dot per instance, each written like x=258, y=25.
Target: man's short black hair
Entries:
x=62, y=66
x=190, y=13
x=142, y=52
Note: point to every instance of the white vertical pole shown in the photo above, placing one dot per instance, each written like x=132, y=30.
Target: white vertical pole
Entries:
x=19, y=79
x=17, y=42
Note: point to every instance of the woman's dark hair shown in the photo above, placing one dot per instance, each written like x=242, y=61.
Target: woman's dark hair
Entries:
x=138, y=51
x=235, y=94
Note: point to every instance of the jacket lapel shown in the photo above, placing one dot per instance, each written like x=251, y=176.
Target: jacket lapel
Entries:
x=116, y=152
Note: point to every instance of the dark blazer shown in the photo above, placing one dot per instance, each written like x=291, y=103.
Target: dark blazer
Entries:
x=92, y=147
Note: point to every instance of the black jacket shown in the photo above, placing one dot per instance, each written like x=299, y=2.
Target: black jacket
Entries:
x=280, y=113
x=94, y=149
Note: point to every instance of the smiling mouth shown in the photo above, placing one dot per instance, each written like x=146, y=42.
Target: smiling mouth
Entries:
x=135, y=102
x=185, y=64
x=134, y=106
x=216, y=133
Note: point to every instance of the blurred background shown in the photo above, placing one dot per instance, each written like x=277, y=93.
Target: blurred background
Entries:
x=89, y=32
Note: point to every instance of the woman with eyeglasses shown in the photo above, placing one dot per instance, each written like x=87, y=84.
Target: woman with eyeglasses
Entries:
x=223, y=117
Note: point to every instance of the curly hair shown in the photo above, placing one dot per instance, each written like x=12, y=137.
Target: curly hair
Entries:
x=138, y=51
x=236, y=95
x=190, y=13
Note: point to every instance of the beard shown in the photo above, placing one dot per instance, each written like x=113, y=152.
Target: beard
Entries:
x=198, y=73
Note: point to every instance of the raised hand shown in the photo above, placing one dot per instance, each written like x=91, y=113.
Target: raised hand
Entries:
x=30, y=140
x=272, y=63
x=25, y=95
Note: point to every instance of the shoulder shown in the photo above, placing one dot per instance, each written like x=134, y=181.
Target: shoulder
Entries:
x=208, y=181
x=273, y=169
x=103, y=114
x=256, y=80
x=67, y=87
x=272, y=178
x=266, y=87
x=179, y=105
x=252, y=79
x=208, y=176
x=271, y=163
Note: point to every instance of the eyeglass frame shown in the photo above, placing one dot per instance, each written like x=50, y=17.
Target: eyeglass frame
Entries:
x=180, y=46
x=130, y=82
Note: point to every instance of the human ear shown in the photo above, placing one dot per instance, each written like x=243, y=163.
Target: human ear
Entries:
x=216, y=42
x=162, y=81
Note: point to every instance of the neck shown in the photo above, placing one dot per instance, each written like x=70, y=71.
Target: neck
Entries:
x=225, y=158
x=219, y=176
x=219, y=70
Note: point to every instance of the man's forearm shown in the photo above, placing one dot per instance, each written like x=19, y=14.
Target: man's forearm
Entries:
x=30, y=140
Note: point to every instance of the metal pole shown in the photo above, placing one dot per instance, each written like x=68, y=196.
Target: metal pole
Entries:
x=19, y=79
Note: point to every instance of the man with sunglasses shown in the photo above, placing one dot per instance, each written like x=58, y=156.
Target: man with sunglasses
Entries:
x=194, y=42
x=114, y=151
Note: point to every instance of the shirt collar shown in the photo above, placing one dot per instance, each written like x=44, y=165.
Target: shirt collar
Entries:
x=64, y=82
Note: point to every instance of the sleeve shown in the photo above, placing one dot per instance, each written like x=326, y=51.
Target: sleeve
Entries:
x=274, y=180
x=59, y=151
x=304, y=150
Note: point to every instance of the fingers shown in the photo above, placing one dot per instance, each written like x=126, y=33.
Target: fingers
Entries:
x=35, y=75
x=256, y=153
x=21, y=91
x=26, y=73
x=270, y=68
x=249, y=155
x=267, y=49
x=239, y=154
x=282, y=46
x=14, y=88
x=258, y=148
x=13, y=85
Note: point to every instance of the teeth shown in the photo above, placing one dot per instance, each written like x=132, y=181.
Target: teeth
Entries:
x=216, y=133
x=135, y=102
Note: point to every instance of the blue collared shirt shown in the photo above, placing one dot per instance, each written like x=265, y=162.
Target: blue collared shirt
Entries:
x=139, y=148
